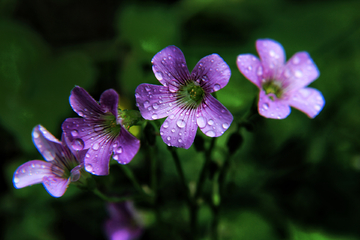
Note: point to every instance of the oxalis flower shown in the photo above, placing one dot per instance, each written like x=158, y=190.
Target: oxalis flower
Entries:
x=61, y=167
x=100, y=131
x=124, y=222
x=282, y=84
x=184, y=98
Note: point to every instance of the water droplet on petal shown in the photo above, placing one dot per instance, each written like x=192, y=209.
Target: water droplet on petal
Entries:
x=78, y=144
x=96, y=146
x=88, y=167
x=159, y=76
x=116, y=157
x=155, y=106
x=180, y=140
x=137, y=95
x=80, y=113
x=201, y=122
x=35, y=134
x=211, y=122
x=210, y=133
x=173, y=130
x=154, y=116
x=266, y=106
x=119, y=150
x=87, y=155
x=296, y=60
x=165, y=124
x=161, y=133
x=225, y=125
x=49, y=155
x=217, y=87
x=259, y=71
x=298, y=73
x=74, y=133
x=168, y=138
x=16, y=180
x=180, y=123
x=146, y=104
x=317, y=107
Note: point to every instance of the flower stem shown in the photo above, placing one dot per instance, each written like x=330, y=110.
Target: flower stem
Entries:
x=132, y=178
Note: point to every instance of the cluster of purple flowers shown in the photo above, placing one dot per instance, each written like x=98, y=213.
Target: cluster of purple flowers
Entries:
x=185, y=99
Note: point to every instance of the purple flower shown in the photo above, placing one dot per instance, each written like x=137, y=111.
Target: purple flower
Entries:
x=100, y=131
x=124, y=223
x=61, y=167
x=185, y=99
x=282, y=84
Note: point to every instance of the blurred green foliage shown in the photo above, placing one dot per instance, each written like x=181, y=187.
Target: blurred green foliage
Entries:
x=295, y=179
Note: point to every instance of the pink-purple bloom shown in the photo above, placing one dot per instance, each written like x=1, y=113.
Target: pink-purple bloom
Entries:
x=184, y=98
x=99, y=131
x=282, y=84
x=124, y=223
x=62, y=165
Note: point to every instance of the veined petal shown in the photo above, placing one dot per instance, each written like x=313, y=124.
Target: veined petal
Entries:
x=109, y=101
x=299, y=72
x=55, y=186
x=80, y=132
x=213, y=118
x=125, y=147
x=212, y=73
x=169, y=65
x=98, y=157
x=31, y=172
x=277, y=108
x=308, y=100
x=179, y=129
x=83, y=104
x=272, y=57
x=46, y=143
x=250, y=66
x=153, y=101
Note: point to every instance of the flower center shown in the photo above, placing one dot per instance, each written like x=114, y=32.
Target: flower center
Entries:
x=191, y=94
x=110, y=125
x=273, y=87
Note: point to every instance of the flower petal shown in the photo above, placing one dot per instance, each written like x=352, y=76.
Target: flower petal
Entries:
x=154, y=102
x=55, y=186
x=31, y=172
x=80, y=132
x=46, y=143
x=277, y=108
x=169, y=65
x=83, y=104
x=98, y=157
x=179, y=129
x=213, y=118
x=299, y=71
x=272, y=57
x=109, y=101
x=308, y=100
x=212, y=73
x=250, y=66
x=125, y=147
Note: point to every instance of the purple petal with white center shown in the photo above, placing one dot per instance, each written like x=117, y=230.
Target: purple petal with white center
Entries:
x=277, y=108
x=299, y=72
x=250, y=66
x=109, y=101
x=179, y=129
x=169, y=65
x=83, y=104
x=31, y=172
x=213, y=118
x=98, y=157
x=46, y=143
x=153, y=101
x=272, y=56
x=55, y=186
x=125, y=147
x=212, y=73
x=308, y=100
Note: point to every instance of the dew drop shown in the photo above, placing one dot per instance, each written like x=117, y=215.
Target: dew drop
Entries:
x=161, y=133
x=180, y=140
x=201, y=122
x=137, y=95
x=116, y=157
x=119, y=150
x=168, y=138
x=16, y=180
x=49, y=155
x=298, y=73
x=87, y=155
x=74, y=133
x=35, y=134
x=80, y=113
x=146, y=104
x=180, y=123
x=317, y=107
x=154, y=116
x=147, y=88
x=165, y=124
x=259, y=71
x=78, y=144
x=296, y=60
x=216, y=87
x=88, y=167
x=211, y=122
x=225, y=126
x=210, y=133
x=173, y=130
x=172, y=116
x=96, y=146
x=155, y=106
x=266, y=106
x=98, y=128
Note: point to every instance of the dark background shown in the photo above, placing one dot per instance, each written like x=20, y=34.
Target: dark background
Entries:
x=296, y=178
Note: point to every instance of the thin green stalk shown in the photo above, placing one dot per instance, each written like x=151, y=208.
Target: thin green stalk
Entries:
x=132, y=178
